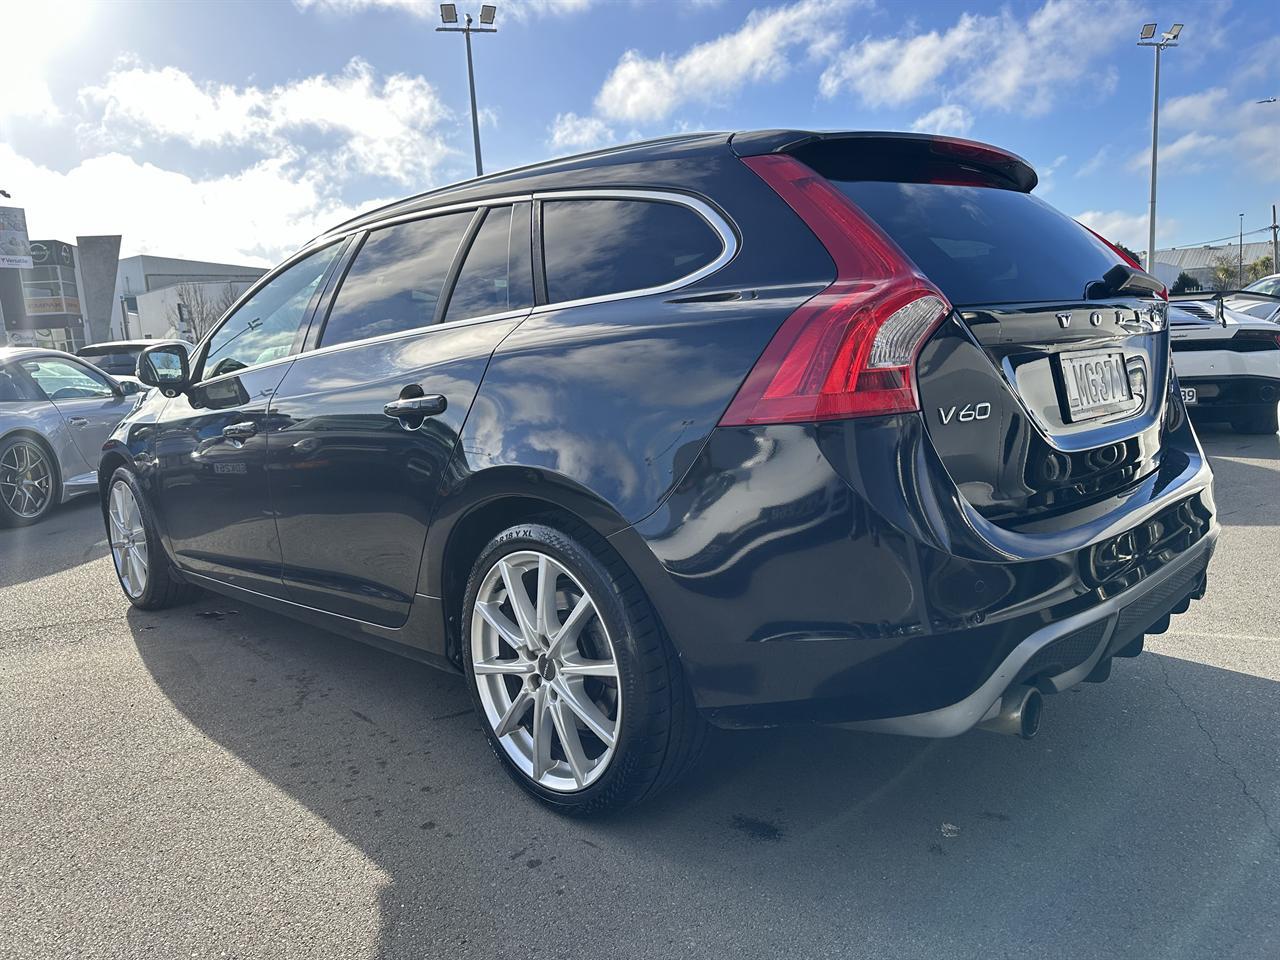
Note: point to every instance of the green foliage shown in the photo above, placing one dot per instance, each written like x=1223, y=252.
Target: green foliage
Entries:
x=1185, y=283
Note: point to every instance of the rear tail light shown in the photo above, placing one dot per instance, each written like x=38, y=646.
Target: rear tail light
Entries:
x=851, y=350
x=1267, y=338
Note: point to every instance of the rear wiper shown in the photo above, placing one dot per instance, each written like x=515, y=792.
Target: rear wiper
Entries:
x=1122, y=278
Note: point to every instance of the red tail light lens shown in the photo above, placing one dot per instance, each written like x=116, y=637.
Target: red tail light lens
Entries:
x=850, y=351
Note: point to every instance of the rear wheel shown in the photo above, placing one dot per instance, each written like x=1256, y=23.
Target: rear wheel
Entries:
x=28, y=481
x=1265, y=419
x=142, y=567
x=582, y=697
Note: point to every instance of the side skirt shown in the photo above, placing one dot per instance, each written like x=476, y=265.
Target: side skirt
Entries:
x=421, y=638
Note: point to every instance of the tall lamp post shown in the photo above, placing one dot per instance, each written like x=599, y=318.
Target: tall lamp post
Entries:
x=1147, y=39
x=1240, y=276
x=448, y=16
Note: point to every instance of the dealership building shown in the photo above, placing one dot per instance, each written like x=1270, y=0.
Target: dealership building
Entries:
x=66, y=295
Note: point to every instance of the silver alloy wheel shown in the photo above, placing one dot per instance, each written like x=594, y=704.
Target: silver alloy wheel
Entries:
x=128, y=539
x=546, y=671
x=26, y=479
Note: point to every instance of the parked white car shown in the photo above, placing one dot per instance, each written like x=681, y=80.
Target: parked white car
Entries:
x=1228, y=366
x=1257, y=308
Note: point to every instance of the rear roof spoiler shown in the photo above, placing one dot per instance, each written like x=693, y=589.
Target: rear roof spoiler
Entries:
x=1008, y=167
x=1218, y=296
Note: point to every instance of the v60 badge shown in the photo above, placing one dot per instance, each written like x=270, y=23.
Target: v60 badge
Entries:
x=966, y=414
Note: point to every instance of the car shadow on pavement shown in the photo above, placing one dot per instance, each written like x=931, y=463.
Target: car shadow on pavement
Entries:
x=56, y=543
x=1141, y=822
x=1244, y=464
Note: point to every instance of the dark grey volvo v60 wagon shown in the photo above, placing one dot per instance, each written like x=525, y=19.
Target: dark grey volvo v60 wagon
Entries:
x=722, y=429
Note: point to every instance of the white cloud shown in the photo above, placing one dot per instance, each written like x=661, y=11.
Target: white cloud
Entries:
x=518, y=9
x=1001, y=61
x=571, y=132
x=372, y=127
x=644, y=89
x=1095, y=163
x=1130, y=229
x=949, y=120
x=31, y=46
x=1188, y=154
x=1195, y=109
x=258, y=215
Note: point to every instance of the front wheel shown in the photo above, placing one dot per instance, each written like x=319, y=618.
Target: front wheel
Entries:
x=1259, y=420
x=582, y=697
x=142, y=568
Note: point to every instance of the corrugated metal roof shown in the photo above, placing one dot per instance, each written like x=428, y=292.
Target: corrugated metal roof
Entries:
x=1189, y=258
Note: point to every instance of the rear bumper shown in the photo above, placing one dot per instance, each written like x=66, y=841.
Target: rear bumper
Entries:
x=1087, y=637
x=833, y=574
x=1224, y=394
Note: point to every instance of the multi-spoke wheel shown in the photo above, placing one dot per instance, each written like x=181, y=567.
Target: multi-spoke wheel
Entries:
x=28, y=482
x=142, y=567
x=545, y=671
x=582, y=696
x=128, y=539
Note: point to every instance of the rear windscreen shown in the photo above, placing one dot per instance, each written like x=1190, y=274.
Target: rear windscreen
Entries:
x=982, y=245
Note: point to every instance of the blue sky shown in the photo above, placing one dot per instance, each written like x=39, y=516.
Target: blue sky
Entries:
x=239, y=130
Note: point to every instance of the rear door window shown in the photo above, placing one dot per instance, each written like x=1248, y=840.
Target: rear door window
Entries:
x=983, y=245
x=593, y=248
x=394, y=283
x=495, y=275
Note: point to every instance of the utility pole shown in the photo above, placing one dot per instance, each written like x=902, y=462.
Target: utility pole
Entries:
x=1240, y=277
x=1146, y=39
x=1275, y=242
x=449, y=15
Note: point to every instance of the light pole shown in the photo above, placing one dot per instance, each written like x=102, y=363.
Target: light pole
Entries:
x=1240, y=276
x=449, y=15
x=1147, y=39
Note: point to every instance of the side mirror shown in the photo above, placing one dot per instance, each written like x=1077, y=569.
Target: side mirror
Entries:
x=165, y=366
x=130, y=387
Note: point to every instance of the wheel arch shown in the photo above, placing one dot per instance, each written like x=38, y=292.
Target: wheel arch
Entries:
x=489, y=502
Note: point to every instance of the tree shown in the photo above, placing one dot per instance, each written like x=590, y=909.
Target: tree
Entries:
x=1262, y=267
x=1129, y=253
x=1226, y=273
x=201, y=305
x=1185, y=283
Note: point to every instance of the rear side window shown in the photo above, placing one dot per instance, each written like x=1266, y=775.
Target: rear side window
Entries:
x=15, y=386
x=396, y=279
x=982, y=245
x=593, y=248
x=495, y=276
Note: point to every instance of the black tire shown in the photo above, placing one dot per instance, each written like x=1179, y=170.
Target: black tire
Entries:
x=1258, y=420
x=662, y=734
x=9, y=517
x=164, y=585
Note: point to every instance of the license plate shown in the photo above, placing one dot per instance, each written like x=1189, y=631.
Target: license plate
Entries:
x=1188, y=394
x=1095, y=384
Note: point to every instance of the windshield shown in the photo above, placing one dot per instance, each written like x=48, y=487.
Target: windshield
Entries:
x=1265, y=285
x=983, y=245
x=117, y=361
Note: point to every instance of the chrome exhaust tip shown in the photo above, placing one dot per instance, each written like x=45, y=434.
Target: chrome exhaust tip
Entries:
x=1017, y=713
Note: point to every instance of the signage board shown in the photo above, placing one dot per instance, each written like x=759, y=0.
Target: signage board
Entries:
x=15, y=249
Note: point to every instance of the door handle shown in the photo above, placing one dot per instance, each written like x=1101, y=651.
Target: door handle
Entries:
x=414, y=407
x=78, y=421
x=240, y=431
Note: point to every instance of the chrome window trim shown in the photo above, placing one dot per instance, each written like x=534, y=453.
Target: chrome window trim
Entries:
x=711, y=216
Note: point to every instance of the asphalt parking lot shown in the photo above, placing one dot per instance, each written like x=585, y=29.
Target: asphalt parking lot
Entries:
x=215, y=781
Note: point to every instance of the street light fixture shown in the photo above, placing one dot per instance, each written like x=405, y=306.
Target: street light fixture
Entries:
x=1147, y=39
x=449, y=14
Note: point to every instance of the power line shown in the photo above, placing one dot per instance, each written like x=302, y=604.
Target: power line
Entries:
x=1233, y=236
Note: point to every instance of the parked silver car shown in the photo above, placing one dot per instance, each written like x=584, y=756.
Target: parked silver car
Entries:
x=56, y=411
